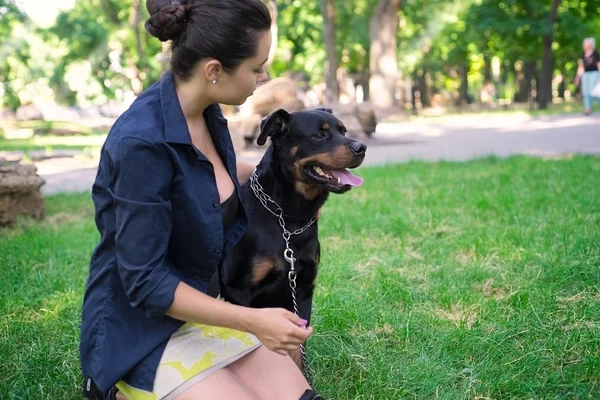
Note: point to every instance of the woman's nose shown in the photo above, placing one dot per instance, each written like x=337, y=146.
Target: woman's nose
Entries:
x=263, y=77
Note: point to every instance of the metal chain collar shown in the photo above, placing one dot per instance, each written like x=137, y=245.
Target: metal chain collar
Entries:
x=288, y=253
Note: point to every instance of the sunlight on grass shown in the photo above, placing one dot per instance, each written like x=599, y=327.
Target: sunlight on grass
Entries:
x=437, y=280
x=53, y=142
x=441, y=114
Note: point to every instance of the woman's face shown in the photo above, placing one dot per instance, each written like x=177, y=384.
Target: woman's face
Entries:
x=236, y=87
x=587, y=46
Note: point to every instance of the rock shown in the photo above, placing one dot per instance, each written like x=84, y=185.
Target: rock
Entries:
x=366, y=118
x=19, y=192
x=269, y=96
x=358, y=118
x=29, y=112
x=292, y=105
x=243, y=129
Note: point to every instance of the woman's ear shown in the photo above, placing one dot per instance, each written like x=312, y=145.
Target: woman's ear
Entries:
x=212, y=70
x=274, y=125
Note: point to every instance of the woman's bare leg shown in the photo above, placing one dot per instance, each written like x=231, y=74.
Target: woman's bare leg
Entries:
x=269, y=375
x=222, y=385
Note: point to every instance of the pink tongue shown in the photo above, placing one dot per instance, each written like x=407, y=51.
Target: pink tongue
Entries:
x=346, y=178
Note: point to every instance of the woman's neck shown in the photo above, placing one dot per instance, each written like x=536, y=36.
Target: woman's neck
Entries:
x=192, y=98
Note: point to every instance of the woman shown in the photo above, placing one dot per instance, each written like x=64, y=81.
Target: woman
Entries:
x=167, y=209
x=588, y=73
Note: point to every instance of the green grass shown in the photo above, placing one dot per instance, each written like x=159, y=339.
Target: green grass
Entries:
x=451, y=112
x=52, y=143
x=49, y=136
x=477, y=280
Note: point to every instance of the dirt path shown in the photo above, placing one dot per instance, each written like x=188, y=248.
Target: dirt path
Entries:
x=449, y=139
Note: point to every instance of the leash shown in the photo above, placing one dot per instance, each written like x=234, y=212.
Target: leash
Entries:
x=288, y=253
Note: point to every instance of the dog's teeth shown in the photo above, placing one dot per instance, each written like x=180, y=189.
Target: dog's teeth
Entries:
x=339, y=181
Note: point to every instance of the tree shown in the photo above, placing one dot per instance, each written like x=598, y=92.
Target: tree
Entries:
x=329, y=33
x=13, y=51
x=274, y=32
x=113, y=43
x=383, y=63
x=548, y=58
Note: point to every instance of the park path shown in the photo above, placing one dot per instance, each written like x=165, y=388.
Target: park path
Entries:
x=451, y=138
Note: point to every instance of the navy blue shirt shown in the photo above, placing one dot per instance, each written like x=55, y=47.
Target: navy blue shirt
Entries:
x=159, y=217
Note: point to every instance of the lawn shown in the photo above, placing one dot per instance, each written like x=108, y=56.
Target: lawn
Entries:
x=477, y=280
x=49, y=136
x=477, y=112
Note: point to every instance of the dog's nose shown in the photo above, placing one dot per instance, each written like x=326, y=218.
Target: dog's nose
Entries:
x=358, y=148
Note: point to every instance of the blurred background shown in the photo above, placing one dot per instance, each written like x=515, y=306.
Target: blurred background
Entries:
x=68, y=68
x=74, y=59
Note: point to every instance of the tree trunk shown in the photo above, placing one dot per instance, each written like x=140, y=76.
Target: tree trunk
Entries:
x=135, y=19
x=487, y=67
x=333, y=87
x=531, y=91
x=383, y=63
x=274, y=32
x=545, y=85
x=426, y=95
x=463, y=99
x=164, y=65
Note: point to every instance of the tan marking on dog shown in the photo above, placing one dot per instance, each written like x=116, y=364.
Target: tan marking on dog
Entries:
x=308, y=191
x=261, y=267
x=339, y=158
x=340, y=124
x=325, y=126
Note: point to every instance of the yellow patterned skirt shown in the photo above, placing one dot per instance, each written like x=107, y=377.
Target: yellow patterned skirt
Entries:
x=193, y=352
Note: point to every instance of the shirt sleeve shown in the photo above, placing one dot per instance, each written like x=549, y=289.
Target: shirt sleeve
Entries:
x=141, y=191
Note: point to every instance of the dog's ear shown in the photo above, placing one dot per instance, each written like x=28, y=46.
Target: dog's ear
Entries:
x=275, y=124
x=329, y=110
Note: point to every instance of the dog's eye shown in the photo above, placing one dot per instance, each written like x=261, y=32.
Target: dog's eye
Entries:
x=320, y=135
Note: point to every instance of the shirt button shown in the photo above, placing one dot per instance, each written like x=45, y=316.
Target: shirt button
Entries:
x=215, y=204
x=217, y=250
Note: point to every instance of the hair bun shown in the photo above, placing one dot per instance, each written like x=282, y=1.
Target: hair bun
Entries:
x=167, y=19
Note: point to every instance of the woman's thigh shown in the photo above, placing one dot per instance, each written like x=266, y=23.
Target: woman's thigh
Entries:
x=270, y=376
x=223, y=384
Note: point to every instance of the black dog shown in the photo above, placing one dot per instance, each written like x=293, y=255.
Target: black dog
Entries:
x=307, y=160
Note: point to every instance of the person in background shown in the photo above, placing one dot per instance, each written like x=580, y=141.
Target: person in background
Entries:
x=588, y=73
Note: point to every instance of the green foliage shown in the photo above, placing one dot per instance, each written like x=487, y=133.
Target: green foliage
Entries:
x=97, y=51
x=106, y=42
x=10, y=14
x=13, y=51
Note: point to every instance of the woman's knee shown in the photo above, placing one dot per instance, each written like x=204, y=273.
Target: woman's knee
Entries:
x=270, y=375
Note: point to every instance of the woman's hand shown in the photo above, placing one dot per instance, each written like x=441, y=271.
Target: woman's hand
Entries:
x=279, y=330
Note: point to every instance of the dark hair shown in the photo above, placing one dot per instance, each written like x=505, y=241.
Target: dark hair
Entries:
x=227, y=30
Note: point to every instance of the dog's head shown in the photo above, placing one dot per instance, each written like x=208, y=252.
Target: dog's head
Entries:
x=312, y=149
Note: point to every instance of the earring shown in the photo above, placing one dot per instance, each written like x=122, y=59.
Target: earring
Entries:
x=214, y=81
